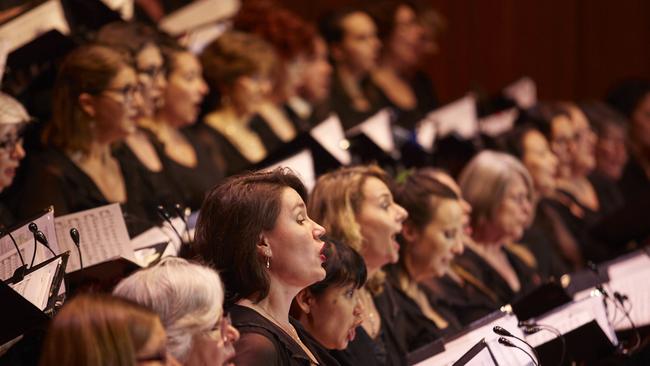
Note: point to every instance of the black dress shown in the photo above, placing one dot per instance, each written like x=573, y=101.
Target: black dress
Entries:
x=234, y=161
x=474, y=264
x=53, y=179
x=194, y=182
x=342, y=104
x=263, y=343
x=362, y=350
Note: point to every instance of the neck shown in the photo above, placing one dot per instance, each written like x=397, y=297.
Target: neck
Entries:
x=278, y=302
x=164, y=118
x=417, y=270
x=350, y=75
x=390, y=64
x=98, y=151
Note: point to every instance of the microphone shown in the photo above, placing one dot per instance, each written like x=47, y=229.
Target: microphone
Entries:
x=532, y=328
x=505, y=333
x=41, y=238
x=507, y=343
x=183, y=214
x=164, y=214
x=19, y=273
x=74, y=235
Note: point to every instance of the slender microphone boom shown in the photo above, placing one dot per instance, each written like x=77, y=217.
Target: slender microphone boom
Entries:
x=74, y=235
x=164, y=214
x=182, y=213
x=41, y=238
x=506, y=342
x=19, y=273
x=505, y=333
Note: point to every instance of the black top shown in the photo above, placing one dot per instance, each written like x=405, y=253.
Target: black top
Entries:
x=393, y=326
x=540, y=238
x=159, y=183
x=53, y=179
x=264, y=343
x=194, y=182
x=473, y=263
x=342, y=104
x=418, y=330
x=634, y=181
x=234, y=161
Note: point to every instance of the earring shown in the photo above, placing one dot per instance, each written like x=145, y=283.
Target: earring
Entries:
x=268, y=262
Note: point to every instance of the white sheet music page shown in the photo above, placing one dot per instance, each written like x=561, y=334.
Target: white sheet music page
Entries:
x=301, y=163
x=456, y=117
x=330, y=135
x=498, y=123
x=9, y=258
x=198, y=14
x=456, y=348
x=377, y=129
x=523, y=92
x=572, y=316
x=33, y=23
x=36, y=286
x=425, y=134
x=102, y=234
x=4, y=51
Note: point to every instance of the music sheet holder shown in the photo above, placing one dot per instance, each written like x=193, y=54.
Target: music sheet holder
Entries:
x=19, y=315
x=100, y=277
x=480, y=350
x=586, y=343
x=540, y=300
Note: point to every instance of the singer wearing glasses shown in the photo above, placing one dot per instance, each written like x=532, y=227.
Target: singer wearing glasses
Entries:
x=95, y=103
x=13, y=118
x=189, y=300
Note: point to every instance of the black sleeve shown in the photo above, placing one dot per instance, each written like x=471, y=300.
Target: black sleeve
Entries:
x=255, y=349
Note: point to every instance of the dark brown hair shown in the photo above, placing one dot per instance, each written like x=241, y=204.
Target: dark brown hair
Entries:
x=128, y=37
x=232, y=217
x=344, y=266
x=94, y=330
x=88, y=69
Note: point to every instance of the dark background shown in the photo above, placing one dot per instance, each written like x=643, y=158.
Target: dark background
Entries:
x=573, y=49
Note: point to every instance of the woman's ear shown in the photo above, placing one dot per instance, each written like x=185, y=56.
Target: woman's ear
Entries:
x=409, y=232
x=87, y=104
x=305, y=300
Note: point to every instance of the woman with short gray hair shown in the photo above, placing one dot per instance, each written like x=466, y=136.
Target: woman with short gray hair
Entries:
x=188, y=298
x=500, y=191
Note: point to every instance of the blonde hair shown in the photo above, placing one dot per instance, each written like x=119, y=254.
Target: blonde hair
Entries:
x=336, y=201
x=188, y=298
x=484, y=181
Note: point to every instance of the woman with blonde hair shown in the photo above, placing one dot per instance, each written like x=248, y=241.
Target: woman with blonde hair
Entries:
x=97, y=330
x=356, y=206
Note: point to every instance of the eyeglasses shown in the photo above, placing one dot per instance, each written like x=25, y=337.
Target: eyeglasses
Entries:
x=128, y=92
x=220, y=330
x=11, y=143
x=152, y=72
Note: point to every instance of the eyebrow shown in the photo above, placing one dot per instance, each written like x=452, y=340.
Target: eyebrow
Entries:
x=300, y=205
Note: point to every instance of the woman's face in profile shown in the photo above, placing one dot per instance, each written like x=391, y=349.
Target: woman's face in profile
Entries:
x=514, y=212
x=185, y=89
x=294, y=245
x=380, y=219
x=540, y=162
x=11, y=153
x=215, y=347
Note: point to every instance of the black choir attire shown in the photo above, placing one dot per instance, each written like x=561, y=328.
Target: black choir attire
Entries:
x=53, y=179
x=264, y=343
x=158, y=183
x=341, y=103
x=473, y=263
x=465, y=297
x=418, y=329
x=580, y=219
x=362, y=350
x=541, y=238
x=194, y=182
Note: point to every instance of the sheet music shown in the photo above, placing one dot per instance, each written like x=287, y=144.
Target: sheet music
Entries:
x=523, y=91
x=425, y=134
x=330, y=135
x=498, y=123
x=571, y=316
x=102, y=233
x=35, y=22
x=36, y=286
x=457, y=347
x=198, y=39
x=457, y=117
x=303, y=164
x=4, y=51
x=483, y=358
x=636, y=287
x=378, y=129
x=197, y=14
x=9, y=259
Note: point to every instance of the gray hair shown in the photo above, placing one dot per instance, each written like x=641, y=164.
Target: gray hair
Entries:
x=484, y=181
x=188, y=298
x=11, y=111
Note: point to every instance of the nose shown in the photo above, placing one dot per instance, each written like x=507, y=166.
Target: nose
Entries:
x=318, y=231
x=402, y=214
x=138, y=100
x=232, y=334
x=458, y=247
x=18, y=152
x=203, y=87
x=358, y=309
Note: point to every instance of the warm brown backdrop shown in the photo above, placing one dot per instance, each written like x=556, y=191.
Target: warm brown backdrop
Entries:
x=573, y=49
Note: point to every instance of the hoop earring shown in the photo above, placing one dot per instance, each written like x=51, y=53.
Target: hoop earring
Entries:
x=268, y=262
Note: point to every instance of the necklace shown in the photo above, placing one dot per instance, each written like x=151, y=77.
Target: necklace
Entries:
x=290, y=330
x=374, y=323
